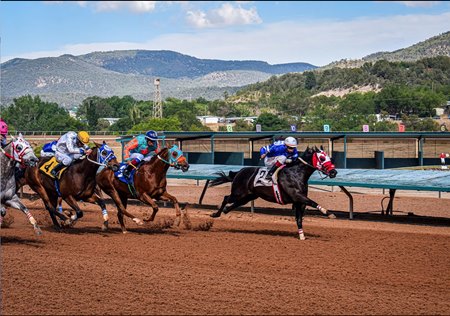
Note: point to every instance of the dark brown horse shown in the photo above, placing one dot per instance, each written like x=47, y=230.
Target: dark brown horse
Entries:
x=248, y=184
x=148, y=182
x=77, y=183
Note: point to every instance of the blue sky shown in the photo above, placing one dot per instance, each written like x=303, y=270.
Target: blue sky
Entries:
x=272, y=31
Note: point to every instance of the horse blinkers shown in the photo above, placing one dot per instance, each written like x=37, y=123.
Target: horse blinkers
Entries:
x=177, y=159
x=322, y=162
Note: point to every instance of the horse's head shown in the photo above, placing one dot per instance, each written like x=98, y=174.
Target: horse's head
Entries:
x=176, y=159
x=22, y=152
x=106, y=157
x=321, y=161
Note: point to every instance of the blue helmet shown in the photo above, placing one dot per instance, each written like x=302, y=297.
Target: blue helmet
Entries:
x=152, y=135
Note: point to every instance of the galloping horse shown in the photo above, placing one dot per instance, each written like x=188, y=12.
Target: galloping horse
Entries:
x=148, y=182
x=248, y=184
x=76, y=183
x=17, y=151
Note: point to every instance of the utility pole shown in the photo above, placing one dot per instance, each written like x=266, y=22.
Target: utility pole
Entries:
x=157, y=103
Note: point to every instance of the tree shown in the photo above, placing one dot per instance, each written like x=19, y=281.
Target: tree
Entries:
x=271, y=122
x=29, y=113
x=310, y=80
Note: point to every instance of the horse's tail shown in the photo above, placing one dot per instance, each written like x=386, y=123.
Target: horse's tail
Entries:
x=223, y=178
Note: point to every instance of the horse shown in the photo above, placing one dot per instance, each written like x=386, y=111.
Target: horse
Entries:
x=76, y=183
x=147, y=182
x=248, y=184
x=17, y=151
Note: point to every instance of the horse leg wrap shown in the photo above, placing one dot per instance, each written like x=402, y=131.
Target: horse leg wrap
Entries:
x=322, y=209
x=105, y=214
x=31, y=219
x=301, y=235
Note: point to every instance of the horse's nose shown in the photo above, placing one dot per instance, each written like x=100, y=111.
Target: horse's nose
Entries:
x=333, y=173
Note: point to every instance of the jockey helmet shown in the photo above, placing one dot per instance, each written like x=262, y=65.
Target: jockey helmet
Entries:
x=152, y=135
x=290, y=142
x=3, y=127
x=83, y=137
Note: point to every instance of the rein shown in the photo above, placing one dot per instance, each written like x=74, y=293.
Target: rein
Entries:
x=167, y=162
x=7, y=154
x=320, y=171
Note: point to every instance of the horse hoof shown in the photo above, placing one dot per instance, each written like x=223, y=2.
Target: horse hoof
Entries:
x=214, y=215
x=124, y=232
x=302, y=237
x=38, y=231
x=331, y=216
x=105, y=226
x=138, y=221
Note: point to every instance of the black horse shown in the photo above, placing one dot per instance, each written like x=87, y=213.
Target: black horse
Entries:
x=248, y=185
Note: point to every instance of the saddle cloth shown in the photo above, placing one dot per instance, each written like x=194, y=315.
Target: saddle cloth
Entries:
x=48, y=166
x=261, y=181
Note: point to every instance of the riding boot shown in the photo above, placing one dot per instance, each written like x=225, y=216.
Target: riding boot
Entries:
x=271, y=172
x=55, y=170
x=127, y=171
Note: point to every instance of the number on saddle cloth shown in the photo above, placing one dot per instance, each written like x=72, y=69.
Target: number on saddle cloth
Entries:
x=48, y=166
x=260, y=178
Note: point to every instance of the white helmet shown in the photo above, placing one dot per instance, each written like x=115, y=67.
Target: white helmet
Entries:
x=290, y=142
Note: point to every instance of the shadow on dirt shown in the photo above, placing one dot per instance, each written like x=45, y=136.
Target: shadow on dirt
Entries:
x=12, y=240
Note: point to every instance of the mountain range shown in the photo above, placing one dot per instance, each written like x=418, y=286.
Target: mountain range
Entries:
x=68, y=80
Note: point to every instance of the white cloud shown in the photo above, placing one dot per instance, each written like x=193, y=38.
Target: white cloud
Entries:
x=416, y=4
x=318, y=43
x=226, y=15
x=133, y=6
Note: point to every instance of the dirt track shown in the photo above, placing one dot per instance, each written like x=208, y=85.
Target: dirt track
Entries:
x=245, y=264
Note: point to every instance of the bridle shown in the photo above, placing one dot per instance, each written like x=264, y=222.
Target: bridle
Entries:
x=18, y=151
x=317, y=161
x=103, y=150
x=175, y=155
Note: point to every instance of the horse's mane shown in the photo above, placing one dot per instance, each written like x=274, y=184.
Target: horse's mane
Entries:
x=306, y=155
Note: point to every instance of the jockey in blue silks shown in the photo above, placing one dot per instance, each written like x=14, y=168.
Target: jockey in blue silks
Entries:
x=277, y=154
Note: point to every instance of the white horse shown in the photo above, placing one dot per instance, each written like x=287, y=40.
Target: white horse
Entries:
x=17, y=151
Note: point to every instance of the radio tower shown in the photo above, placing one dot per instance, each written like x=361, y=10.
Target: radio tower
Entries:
x=157, y=103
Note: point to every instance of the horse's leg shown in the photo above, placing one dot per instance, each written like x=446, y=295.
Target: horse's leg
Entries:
x=74, y=205
x=121, y=204
x=168, y=197
x=16, y=203
x=99, y=201
x=219, y=211
x=299, y=212
x=2, y=214
x=238, y=202
x=307, y=201
x=148, y=200
x=51, y=208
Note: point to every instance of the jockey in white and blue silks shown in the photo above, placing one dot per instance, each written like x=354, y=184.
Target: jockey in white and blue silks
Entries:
x=49, y=149
x=70, y=146
x=276, y=155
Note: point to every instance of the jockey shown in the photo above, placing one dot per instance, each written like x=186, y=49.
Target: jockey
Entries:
x=3, y=132
x=276, y=155
x=141, y=147
x=49, y=149
x=70, y=146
